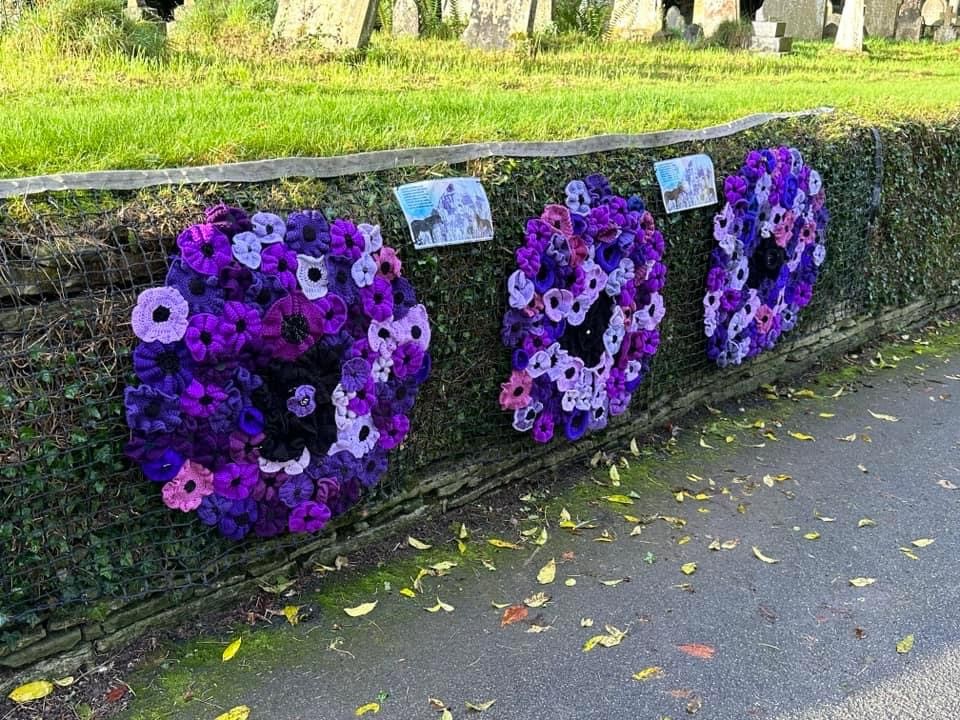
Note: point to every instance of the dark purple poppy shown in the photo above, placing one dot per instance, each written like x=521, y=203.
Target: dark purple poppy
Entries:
x=308, y=233
x=340, y=280
x=163, y=468
x=291, y=326
x=265, y=291
x=150, y=410
x=279, y=261
x=377, y=300
x=202, y=293
x=165, y=367
x=235, y=481
x=309, y=517
x=272, y=518
x=404, y=297
x=228, y=220
x=296, y=490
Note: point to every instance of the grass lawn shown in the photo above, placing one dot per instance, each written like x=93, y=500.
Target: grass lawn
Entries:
x=70, y=114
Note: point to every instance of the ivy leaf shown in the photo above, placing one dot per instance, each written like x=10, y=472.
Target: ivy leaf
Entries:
x=361, y=610
x=31, y=691
x=232, y=649
x=240, y=712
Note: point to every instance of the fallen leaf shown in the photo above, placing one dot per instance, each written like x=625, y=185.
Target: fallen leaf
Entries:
x=612, y=583
x=417, y=544
x=437, y=704
x=684, y=540
x=570, y=582
x=440, y=606
x=650, y=673
x=694, y=705
x=479, y=706
x=634, y=448
x=729, y=544
x=65, y=681
x=498, y=543
x=882, y=416
x=909, y=553
x=115, y=694
x=866, y=522
x=760, y=556
x=705, y=444
x=697, y=650
x=823, y=518
x=463, y=533
x=946, y=485
x=801, y=436
x=36, y=690
x=586, y=622
x=442, y=568
x=922, y=542
x=407, y=592
x=827, y=416
x=812, y=536
x=862, y=581
x=542, y=537
x=292, y=614
x=605, y=536
x=488, y=565
x=446, y=714
x=371, y=707
x=361, y=610
x=688, y=568
x=564, y=515
x=537, y=600
x=614, y=475
x=240, y=712
x=538, y=628
x=859, y=633
x=619, y=499
x=862, y=468
x=805, y=393
x=611, y=639
x=231, y=649
x=636, y=531
x=848, y=438
x=514, y=613
x=905, y=645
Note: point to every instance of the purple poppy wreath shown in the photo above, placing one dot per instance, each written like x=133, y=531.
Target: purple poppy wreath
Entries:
x=277, y=366
x=770, y=246
x=585, y=305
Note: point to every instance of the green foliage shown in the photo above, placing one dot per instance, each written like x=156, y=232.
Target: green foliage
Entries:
x=85, y=27
x=231, y=28
x=590, y=18
x=733, y=35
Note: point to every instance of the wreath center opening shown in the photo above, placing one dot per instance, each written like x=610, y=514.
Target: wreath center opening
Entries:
x=586, y=340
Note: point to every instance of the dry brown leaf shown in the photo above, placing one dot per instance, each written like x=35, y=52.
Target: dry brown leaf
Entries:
x=514, y=613
x=698, y=650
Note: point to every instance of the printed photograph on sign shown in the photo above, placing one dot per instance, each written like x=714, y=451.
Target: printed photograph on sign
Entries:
x=450, y=211
x=686, y=182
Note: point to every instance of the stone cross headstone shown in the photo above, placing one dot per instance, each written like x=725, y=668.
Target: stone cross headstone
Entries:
x=881, y=18
x=708, y=14
x=805, y=19
x=769, y=38
x=909, y=21
x=494, y=22
x=850, y=32
x=406, y=19
x=636, y=18
x=334, y=24
x=675, y=19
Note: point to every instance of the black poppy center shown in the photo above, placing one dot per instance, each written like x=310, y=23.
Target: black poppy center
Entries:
x=263, y=297
x=586, y=340
x=189, y=486
x=282, y=265
x=161, y=314
x=242, y=519
x=314, y=274
x=342, y=276
x=766, y=261
x=169, y=362
x=377, y=297
x=152, y=410
x=205, y=337
x=416, y=332
x=241, y=325
x=207, y=249
x=383, y=333
x=385, y=267
x=235, y=481
x=364, y=433
x=197, y=286
x=543, y=274
x=206, y=400
x=294, y=329
x=309, y=233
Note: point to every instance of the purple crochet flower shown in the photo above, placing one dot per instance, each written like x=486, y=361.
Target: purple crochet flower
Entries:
x=308, y=233
x=377, y=300
x=202, y=292
x=271, y=228
x=207, y=338
x=233, y=518
x=246, y=248
x=228, y=220
x=332, y=311
x=407, y=359
x=296, y=490
x=281, y=262
x=309, y=517
x=291, y=326
x=235, y=481
x=163, y=468
x=165, y=367
x=199, y=400
x=356, y=374
x=346, y=241
x=150, y=410
x=303, y=402
x=160, y=315
x=204, y=248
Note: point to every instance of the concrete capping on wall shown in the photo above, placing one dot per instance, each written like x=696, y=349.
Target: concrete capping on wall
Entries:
x=327, y=167
x=60, y=647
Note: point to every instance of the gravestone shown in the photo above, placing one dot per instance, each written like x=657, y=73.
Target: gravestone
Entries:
x=406, y=19
x=769, y=38
x=675, y=19
x=543, y=15
x=804, y=18
x=692, y=34
x=636, y=18
x=933, y=12
x=909, y=21
x=494, y=22
x=708, y=14
x=334, y=24
x=850, y=32
x=881, y=18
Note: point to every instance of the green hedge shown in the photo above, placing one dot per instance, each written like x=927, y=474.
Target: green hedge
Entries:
x=78, y=525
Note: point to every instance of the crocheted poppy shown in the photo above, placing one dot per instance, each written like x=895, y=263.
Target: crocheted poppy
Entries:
x=770, y=239
x=584, y=307
x=278, y=365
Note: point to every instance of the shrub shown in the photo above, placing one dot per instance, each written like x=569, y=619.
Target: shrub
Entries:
x=586, y=17
x=86, y=27
x=733, y=35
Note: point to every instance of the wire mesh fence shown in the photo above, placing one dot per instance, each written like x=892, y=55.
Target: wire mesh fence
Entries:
x=79, y=526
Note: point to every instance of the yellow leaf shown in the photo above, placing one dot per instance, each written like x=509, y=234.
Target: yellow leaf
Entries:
x=240, y=712
x=440, y=606
x=705, y=444
x=31, y=691
x=537, y=600
x=769, y=435
x=446, y=714
x=882, y=416
x=547, y=573
x=370, y=707
x=65, y=681
x=407, y=592
x=729, y=544
x=866, y=522
x=909, y=553
x=683, y=540
x=905, y=645
x=636, y=531
x=417, y=544
x=538, y=628
x=360, y=610
x=488, y=565
x=614, y=474
x=586, y=622
x=703, y=510
x=827, y=416
x=612, y=583
x=231, y=649
x=499, y=606
x=565, y=515
x=604, y=536
x=922, y=542
x=542, y=537
x=442, y=568
x=800, y=436
x=812, y=535
x=838, y=393
x=702, y=496
x=479, y=706
x=606, y=641
x=292, y=614
x=760, y=556
x=498, y=543
x=620, y=499
x=862, y=581
x=694, y=478
x=679, y=496
x=852, y=437
x=804, y=394
x=463, y=533
x=634, y=449
x=462, y=547
x=570, y=582
x=715, y=545
x=651, y=673
x=688, y=568
x=631, y=518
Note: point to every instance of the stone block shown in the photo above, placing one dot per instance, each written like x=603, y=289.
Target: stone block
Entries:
x=51, y=645
x=56, y=667
x=805, y=19
x=769, y=29
x=495, y=23
x=909, y=25
x=135, y=612
x=636, y=18
x=692, y=34
x=543, y=15
x=28, y=637
x=777, y=45
x=334, y=24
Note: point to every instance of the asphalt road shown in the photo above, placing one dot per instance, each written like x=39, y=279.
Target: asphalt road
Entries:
x=792, y=640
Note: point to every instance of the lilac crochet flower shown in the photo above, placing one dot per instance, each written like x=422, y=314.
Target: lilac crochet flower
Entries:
x=160, y=315
x=303, y=402
x=270, y=228
x=246, y=248
x=204, y=248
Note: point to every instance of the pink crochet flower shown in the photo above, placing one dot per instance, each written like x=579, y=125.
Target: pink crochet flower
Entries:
x=188, y=487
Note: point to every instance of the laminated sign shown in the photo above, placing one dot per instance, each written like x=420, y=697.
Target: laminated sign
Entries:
x=686, y=182
x=450, y=211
